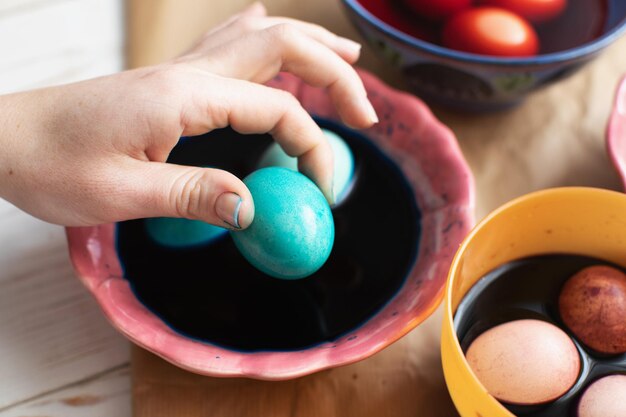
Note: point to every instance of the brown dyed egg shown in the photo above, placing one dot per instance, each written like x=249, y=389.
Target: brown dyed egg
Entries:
x=593, y=305
x=604, y=398
x=525, y=361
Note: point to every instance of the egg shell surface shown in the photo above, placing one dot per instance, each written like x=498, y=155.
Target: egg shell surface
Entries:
x=606, y=397
x=293, y=231
x=524, y=362
x=592, y=303
x=491, y=31
x=537, y=11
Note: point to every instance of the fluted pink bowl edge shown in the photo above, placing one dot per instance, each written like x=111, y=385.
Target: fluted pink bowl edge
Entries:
x=429, y=156
x=616, y=132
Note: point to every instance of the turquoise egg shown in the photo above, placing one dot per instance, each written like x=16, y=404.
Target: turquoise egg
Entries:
x=274, y=156
x=293, y=231
x=180, y=233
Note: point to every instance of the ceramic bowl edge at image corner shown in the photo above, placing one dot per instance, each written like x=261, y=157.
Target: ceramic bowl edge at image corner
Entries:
x=470, y=82
x=616, y=132
x=431, y=160
x=571, y=214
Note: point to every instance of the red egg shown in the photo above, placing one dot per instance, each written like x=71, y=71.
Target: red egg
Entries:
x=592, y=304
x=438, y=9
x=536, y=11
x=491, y=31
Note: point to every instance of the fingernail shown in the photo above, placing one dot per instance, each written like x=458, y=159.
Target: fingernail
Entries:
x=371, y=113
x=228, y=209
x=348, y=45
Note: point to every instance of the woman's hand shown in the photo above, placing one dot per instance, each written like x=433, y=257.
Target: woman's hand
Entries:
x=93, y=152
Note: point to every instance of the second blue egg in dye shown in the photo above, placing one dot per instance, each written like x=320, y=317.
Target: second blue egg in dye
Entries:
x=343, y=166
x=181, y=233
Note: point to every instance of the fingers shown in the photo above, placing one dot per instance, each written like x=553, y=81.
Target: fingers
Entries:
x=253, y=108
x=157, y=189
x=259, y=56
x=253, y=19
x=226, y=31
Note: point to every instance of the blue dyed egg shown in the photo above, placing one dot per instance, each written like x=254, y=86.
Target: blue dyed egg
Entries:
x=179, y=233
x=274, y=156
x=293, y=232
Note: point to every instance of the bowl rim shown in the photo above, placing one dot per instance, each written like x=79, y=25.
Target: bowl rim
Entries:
x=454, y=361
x=616, y=125
x=446, y=202
x=567, y=55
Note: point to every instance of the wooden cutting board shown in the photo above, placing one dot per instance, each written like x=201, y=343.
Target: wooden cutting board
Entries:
x=556, y=138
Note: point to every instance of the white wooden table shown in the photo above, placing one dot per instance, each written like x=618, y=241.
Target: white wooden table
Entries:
x=58, y=355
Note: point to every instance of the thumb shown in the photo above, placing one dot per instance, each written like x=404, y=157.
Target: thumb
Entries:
x=211, y=195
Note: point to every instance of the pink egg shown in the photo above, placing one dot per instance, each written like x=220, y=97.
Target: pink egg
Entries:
x=525, y=361
x=604, y=398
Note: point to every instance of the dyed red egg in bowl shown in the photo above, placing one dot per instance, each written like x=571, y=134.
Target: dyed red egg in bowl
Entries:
x=469, y=79
x=381, y=281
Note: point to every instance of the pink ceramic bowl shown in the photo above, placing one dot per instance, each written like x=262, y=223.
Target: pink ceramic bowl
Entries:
x=430, y=159
x=616, y=132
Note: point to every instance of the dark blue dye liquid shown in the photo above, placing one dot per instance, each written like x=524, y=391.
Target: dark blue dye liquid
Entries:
x=212, y=294
x=529, y=289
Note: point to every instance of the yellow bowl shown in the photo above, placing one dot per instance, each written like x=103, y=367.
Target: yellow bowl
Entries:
x=582, y=221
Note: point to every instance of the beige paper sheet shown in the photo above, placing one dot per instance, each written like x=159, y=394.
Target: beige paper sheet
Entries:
x=555, y=138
